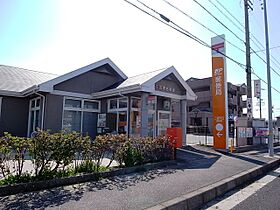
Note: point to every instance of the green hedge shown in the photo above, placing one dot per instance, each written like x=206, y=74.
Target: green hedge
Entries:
x=68, y=153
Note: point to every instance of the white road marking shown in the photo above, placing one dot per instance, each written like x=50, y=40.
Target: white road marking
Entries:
x=243, y=194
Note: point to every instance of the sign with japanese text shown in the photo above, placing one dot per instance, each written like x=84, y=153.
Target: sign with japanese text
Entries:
x=219, y=93
x=257, y=88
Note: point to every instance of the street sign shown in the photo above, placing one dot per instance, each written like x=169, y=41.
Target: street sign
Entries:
x=219, y=93
x=249, y=108
x=257, y=88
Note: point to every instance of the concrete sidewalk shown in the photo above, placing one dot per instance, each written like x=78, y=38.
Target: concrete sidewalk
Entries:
x=198, y=168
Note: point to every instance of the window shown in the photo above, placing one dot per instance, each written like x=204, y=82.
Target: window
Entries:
x=72, y=120
x=113, y=104
x=80, y=115
x=34, y=115
x=91, y=105
x=117, y=104
x=70, y=103
x=135, y=103
x=135, y=117
x=119, y=107
x=123, y=103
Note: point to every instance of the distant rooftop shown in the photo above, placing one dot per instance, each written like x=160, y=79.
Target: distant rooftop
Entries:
x=18, y=79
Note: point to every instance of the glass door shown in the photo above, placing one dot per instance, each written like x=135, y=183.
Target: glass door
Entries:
x=164, y=122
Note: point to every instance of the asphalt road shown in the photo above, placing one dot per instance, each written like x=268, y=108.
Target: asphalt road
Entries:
x=267, y=198
x=196, y=168
x=263, y=194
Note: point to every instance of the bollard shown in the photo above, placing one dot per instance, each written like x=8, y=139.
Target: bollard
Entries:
x=231, y=145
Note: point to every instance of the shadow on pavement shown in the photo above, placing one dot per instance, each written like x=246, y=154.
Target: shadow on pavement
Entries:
x=58, y=196
x=245, y=158
x=121, y=183
x=188, y=158
x=194, y=158
x=40, y=200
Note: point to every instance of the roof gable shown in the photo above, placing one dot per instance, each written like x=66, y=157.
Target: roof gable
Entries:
x=146, y=82
x=48, y=86
x=171, y=70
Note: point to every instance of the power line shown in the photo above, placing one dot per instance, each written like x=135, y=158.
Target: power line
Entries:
x=240, y=29
x=230, y=13
x=273, y=59
x=271, y=48
x=204, y=26
x=187, y=32
x=190, y=35
x=266, y=62
x=219, y=21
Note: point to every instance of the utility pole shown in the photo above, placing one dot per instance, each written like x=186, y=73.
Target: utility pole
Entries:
x=270, y=123
x=248, y=6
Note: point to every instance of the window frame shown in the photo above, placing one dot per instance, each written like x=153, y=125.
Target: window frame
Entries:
x=82, y=109
x=33, y=109
x=118, y=110
x=118, y=104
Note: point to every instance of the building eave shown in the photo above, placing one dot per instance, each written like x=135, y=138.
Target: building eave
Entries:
x=117, y=91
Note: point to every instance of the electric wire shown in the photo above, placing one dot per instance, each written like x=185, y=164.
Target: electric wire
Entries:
x=240, y=29
x=219, y=21
x=266, y=63
x=204, y=26
x=185, y=32
x=230, y=13
x=258, y=44
x=190, y=35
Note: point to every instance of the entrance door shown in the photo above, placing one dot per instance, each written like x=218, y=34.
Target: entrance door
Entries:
x=164, y=122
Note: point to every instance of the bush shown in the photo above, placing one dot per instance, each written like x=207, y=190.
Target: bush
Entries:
x=66, y=153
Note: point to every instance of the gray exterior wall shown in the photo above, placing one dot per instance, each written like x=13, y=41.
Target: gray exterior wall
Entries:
x=14, y=116
x=53, y=112
x=90, y=82
x=170, y=82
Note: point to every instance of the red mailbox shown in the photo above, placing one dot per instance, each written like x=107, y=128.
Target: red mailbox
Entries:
x=175, y=135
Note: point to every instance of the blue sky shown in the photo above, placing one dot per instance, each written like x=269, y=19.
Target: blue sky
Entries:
x=58, y=36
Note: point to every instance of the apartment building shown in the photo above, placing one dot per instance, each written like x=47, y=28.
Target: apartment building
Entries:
x=200, y=110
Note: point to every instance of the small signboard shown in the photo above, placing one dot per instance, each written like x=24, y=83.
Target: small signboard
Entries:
x=249, y=108
x=249, y=132
x=261, y=132
x=257, y=88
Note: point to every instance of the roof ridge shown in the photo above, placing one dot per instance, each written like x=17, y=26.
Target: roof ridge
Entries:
x=29, y=70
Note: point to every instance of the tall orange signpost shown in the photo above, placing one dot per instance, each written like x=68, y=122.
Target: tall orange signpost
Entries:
x=219, y=93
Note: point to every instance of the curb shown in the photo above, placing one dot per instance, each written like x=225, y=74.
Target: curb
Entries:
x=58, y=182
x=197, y=198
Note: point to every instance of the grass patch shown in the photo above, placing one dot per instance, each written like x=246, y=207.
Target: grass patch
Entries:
x=87, y=167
